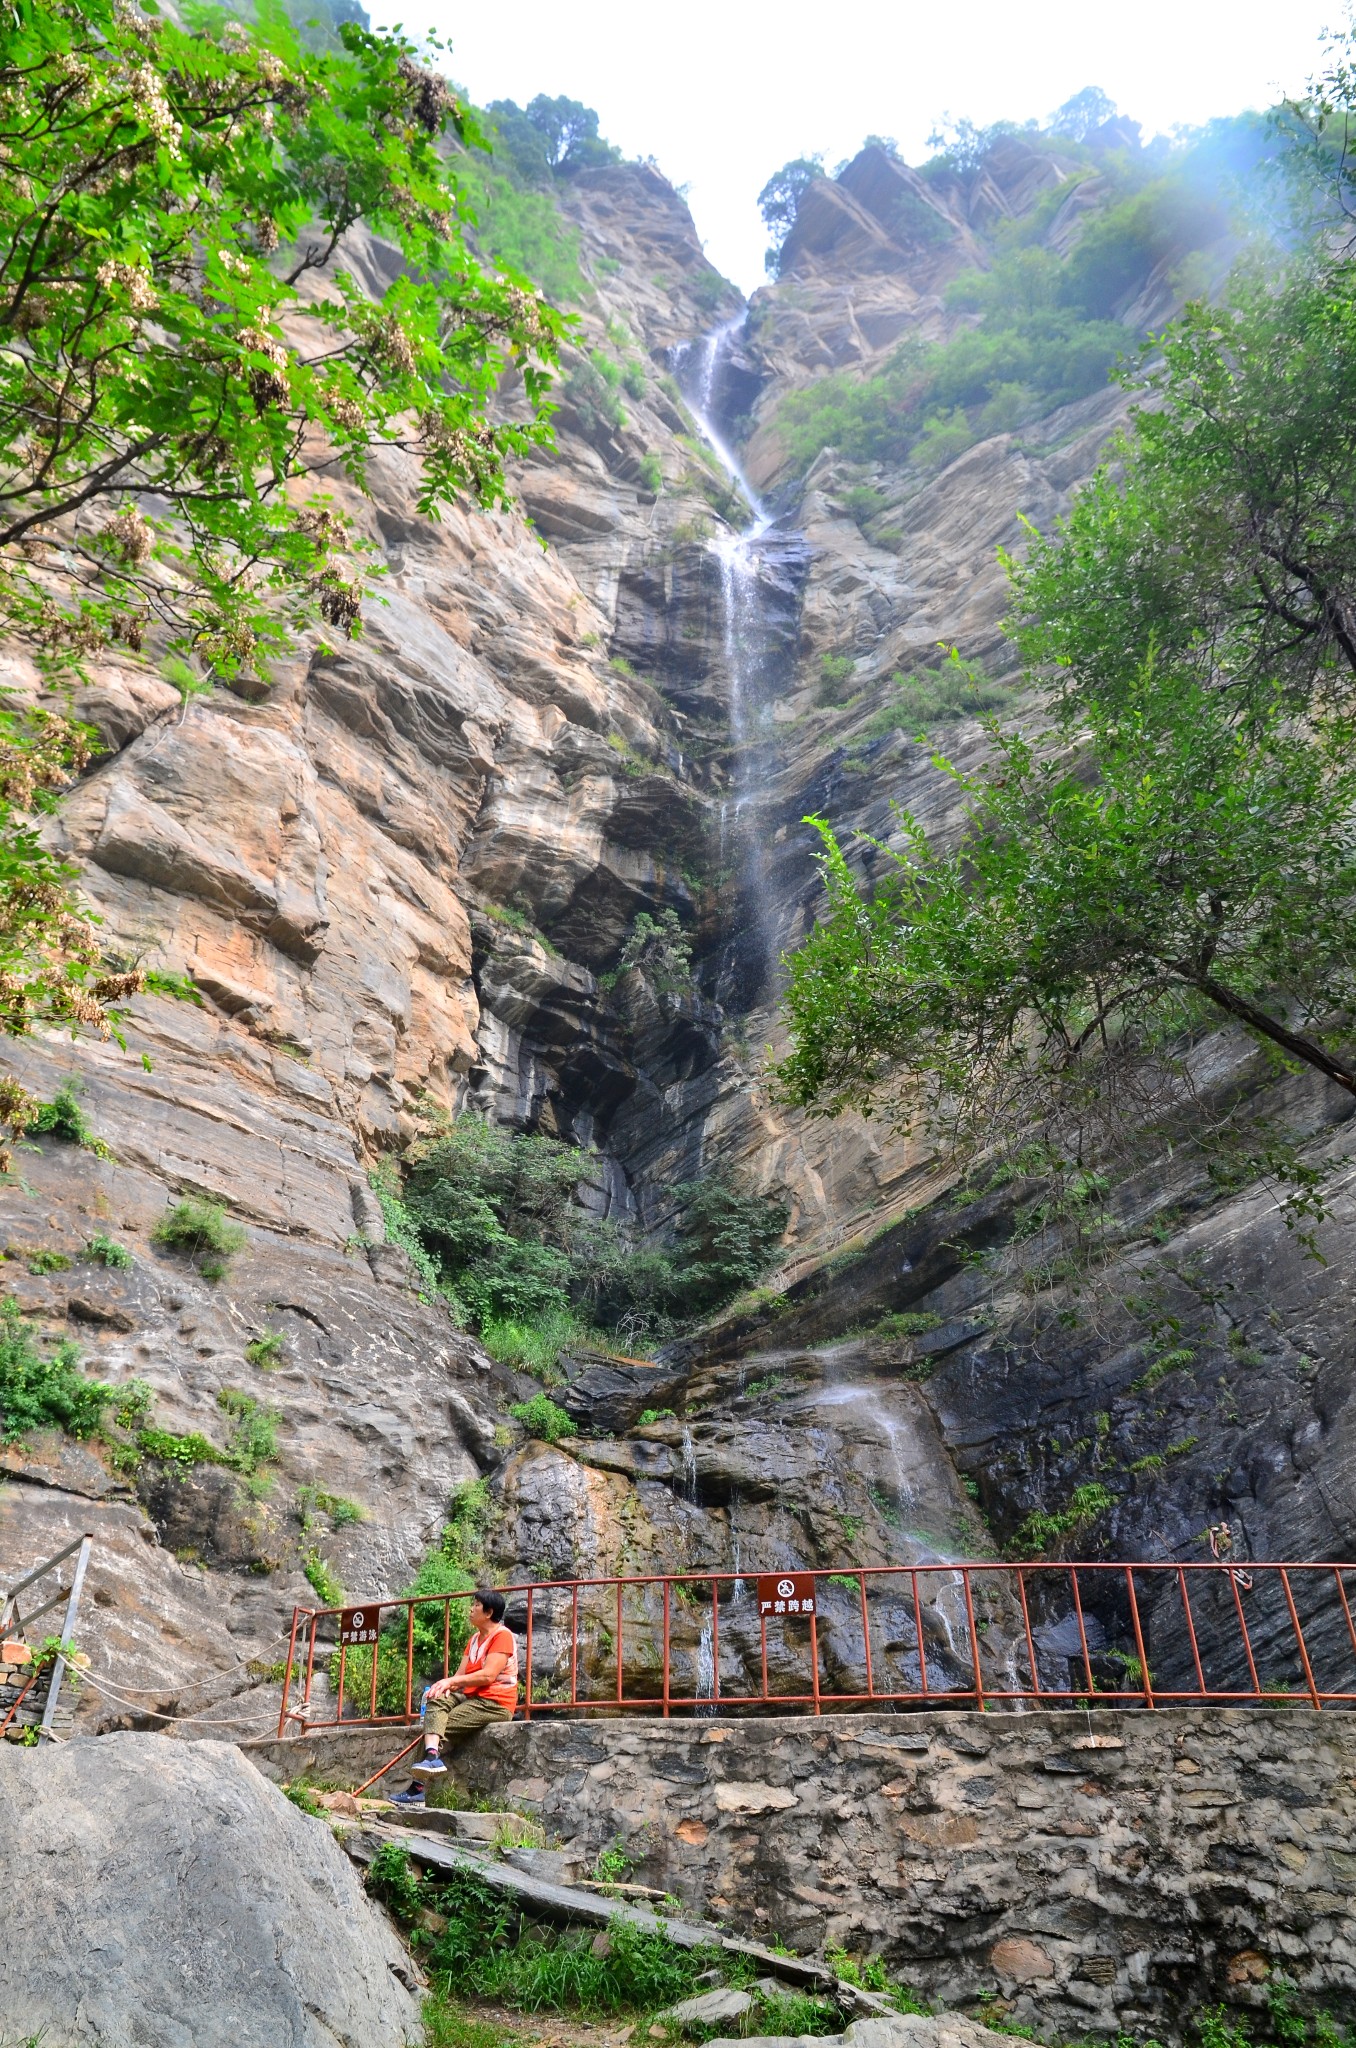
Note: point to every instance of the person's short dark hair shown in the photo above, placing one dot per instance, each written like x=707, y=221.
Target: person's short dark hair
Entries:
x=492, y=1602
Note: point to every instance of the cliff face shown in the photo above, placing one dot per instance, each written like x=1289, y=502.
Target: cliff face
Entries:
x=402, y=872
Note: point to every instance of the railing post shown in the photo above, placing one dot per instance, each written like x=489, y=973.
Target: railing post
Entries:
x=310, y=1668
x=918, y=1633
x=409, y=1660
x=1082, y=1633
x=1346, y=1610
x=1145, y=1678
x=866, y=1635
x=666, y=1650
x=574, y=1646
x=974, y=1638
x=527, y=1686
x=287, y=1674
x=67, y=1635
x=1191, y=1629
x=1299, y=1638
x=1030, y=1639
x=814, y=1644
x=620, y=1624
x=1247, y=1639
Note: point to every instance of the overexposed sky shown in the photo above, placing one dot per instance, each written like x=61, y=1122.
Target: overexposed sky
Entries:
x=722, y=92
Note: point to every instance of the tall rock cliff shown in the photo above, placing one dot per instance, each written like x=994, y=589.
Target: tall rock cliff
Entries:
x=399, y=875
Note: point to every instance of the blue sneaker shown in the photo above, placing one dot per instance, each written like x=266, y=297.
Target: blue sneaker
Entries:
x=413, y=1797
x=430, y=1765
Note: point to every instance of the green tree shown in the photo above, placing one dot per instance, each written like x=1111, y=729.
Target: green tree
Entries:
x=726, y=1240
x=1082, y=113
x=184, y=357
x=779, y=202
x=661, y=950
x=1221, y=533
x=1045, y=976
x=962, y=147
x=550, y=137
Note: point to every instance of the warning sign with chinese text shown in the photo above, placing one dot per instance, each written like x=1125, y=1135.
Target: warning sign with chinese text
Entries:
x=786, y=1593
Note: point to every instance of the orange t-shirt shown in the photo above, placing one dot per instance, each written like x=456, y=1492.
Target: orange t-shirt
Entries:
x=504, y=1689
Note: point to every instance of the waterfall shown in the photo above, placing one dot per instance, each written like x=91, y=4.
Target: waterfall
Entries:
x=742, y=563
x=689, y=1467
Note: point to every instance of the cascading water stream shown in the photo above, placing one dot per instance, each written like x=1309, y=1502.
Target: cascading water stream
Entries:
x=746, y=635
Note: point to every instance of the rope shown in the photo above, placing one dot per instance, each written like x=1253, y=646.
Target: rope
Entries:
x=124, y=1699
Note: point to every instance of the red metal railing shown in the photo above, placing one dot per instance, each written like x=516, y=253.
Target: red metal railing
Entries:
x=930, y=1635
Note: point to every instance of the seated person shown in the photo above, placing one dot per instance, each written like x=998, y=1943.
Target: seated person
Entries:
x=484, y=1688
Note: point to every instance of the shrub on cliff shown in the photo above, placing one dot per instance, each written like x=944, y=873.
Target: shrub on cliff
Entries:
x=498, y=1215
x=203, y=1231
x=44, y=1389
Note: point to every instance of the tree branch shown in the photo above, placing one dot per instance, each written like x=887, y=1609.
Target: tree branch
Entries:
x=1233, y=1005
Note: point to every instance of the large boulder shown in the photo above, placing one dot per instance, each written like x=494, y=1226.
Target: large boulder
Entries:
x=163, y=1894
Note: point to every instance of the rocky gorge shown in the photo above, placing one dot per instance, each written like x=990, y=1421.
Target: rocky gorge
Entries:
x=405, y=873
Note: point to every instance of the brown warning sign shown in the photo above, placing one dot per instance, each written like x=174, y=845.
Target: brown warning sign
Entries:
x=786, y=1593
x=359, y=1624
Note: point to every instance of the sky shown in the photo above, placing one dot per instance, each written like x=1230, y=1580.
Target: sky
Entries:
x=723, y=92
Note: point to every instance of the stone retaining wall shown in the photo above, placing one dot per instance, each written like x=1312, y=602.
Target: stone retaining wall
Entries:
x=1096, y=1871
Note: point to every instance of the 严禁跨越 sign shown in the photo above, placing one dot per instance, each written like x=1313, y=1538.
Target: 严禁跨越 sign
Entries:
x=786, y=1593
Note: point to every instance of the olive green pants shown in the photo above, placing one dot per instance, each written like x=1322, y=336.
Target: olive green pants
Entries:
x=460, y=1718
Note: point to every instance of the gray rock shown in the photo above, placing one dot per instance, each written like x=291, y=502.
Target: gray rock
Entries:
x=552, y=1865
x=165, y=1895
x=708, y=2009
x=903, y=2030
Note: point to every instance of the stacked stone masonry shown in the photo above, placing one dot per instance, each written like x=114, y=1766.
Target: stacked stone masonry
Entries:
x=1096, y=1871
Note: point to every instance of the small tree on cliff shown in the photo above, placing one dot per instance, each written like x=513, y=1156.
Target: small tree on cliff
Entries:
x=185, y=358
x=779, y=202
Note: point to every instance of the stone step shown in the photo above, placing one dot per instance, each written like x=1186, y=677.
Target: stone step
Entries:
x=462, y=1825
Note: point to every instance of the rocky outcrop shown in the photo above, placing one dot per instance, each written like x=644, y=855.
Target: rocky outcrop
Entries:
x=161, y=1894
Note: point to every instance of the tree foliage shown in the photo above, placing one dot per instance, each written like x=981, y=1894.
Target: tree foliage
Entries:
x=549, y=138
x=1042, y=978
x=186, y=361
x=1221, y=533
x=779, y=202
x=661, y=950
x=185, y=356
x=1081, y=113
x=44, y=1390
x=499, y=1214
